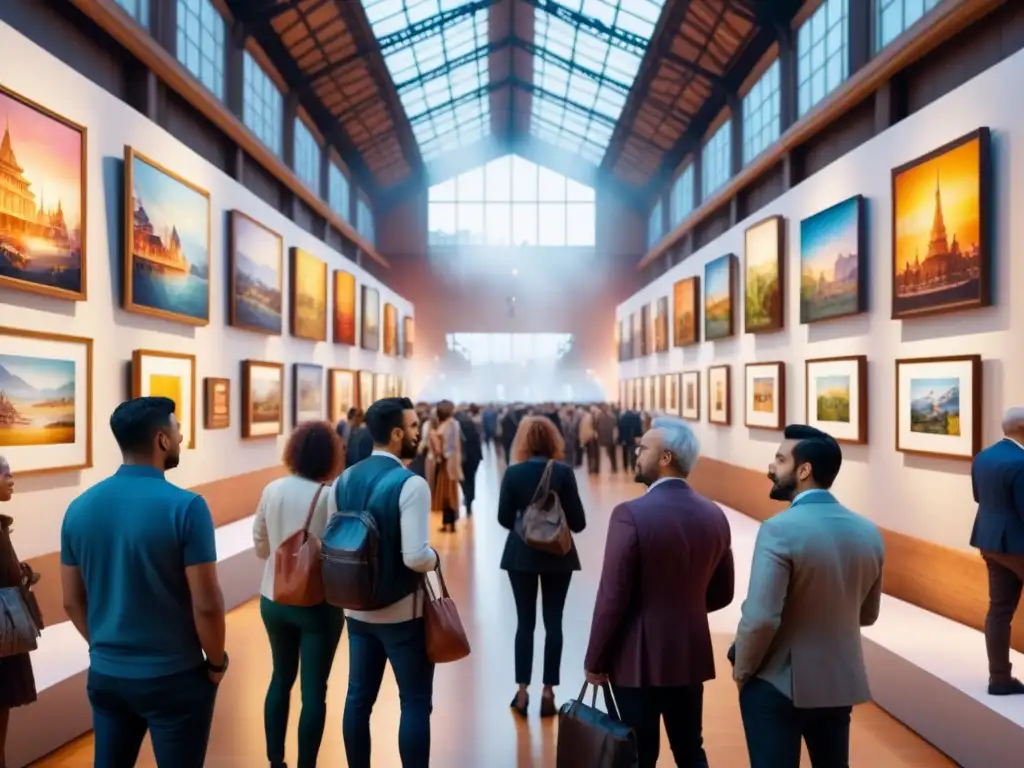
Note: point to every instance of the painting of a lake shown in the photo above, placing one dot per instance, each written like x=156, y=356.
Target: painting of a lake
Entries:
x=257, y=255
x=37, y=401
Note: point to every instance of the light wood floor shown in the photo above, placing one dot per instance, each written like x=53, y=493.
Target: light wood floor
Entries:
x=472, y=724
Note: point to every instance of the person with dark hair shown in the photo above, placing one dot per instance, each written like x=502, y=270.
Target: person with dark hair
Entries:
x=139, y=573
x=816, y=580
x=359, y=443
x=446, y=447
x=299, y=635
x=399, y=502
x=472, y=454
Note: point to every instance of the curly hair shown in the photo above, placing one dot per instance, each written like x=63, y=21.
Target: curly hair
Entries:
x=537, y=436
x=314, y=452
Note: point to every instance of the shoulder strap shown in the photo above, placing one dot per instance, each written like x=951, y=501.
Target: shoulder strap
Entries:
x=312, y=508
x=544, y=486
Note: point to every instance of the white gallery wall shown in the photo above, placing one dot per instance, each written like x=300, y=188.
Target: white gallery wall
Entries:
x=926, y=497
x=40, y=500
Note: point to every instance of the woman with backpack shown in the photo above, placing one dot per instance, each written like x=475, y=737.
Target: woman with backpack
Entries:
x=540, y=506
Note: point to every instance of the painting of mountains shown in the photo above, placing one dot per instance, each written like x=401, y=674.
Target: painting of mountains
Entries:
x=830, y=262
x=719, y=279
x=935, y=406
x=763, y=279
x=255, y=277
x=37, y=401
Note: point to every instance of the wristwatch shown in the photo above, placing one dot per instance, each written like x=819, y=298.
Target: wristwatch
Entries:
x=218, y=669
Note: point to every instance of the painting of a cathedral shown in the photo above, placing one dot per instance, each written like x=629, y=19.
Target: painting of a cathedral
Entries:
x=831, y=259
x=940, y=229
x=42, y=200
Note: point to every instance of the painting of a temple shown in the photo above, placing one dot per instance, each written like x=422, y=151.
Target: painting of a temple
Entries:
x=156, y=252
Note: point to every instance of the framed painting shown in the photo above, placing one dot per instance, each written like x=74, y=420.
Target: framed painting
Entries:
x=686, y=311
x=262, y=399
x=645, y=330
x=720, y=298
x=661, y=391
x=833, y=270
x=380, y=386
x=341, y=393
x=307, y=393
x=344, y=308
x=42, y=226
x=255, y=276
x=763, y=276
x=836, y=392
x=217, y=406
x=617, y=340
x=308, y=296
x=45, y=401
x=691, y=396
x=661, y=325
x=650, y=399
x=366, y=398
x=638, y=395
x=626, y=339
x=166, y=243
x=171, y=375
x=765, y=398
x=719, y=395
x=390, y=329
x=938, y=406
x=408, y=336
x=371, y=319
x=672, y=394
x=940, y=229
x=636, y=334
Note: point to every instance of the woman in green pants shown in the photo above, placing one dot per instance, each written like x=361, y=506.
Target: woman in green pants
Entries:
x=307, y=635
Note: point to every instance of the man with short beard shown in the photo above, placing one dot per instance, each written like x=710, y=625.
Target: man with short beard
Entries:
x=816, y=580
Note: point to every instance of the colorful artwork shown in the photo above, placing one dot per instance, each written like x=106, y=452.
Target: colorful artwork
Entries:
x=940, y=229
x=308, y=296
x=167, y=243
x=366, y=397
x=939, y=406
x=256, y=274
x=371, y=319
x=719, y=304
x=307, y=393
x=262, y=399
x=686, y=304
x=645, y=330
x=831, y=273
x=344, y=308
x=719, y=395
x=762, y=276
x=935, y=406
x=341, y=393
x=837, y=397
x=217, y=412
x=691, y=395
x=765, y=395
x=832, y=399
x=42, y=201
x=661, y=325
x=171, y=375
x=408, y=336
x=390, y=329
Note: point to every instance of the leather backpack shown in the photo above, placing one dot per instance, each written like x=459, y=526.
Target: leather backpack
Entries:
x=297, y=576
x=542, y=524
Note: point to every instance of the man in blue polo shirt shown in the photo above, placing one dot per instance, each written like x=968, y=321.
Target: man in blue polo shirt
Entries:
x=139, y=573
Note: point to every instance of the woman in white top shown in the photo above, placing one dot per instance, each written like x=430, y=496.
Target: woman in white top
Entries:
x=314, y=457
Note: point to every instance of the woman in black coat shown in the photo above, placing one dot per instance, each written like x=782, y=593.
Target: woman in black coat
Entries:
x=537, y=442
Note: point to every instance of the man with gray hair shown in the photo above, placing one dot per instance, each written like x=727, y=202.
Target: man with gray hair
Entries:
x=667, y=564
x=997, y=477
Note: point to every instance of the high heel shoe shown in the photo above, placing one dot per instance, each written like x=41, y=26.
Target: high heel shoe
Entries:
x=520, y=710
x=547, y=706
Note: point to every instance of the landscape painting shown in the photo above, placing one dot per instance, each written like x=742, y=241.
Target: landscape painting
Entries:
x=366, y=398
x=408, y=336
x=691, y=396
x=765, y=404
x=940, y=241
x=308, y=296
x=685, y=307
x=371, y=319
x=832, y=274
x=344, y=308
x=837, y=397
x=661, y=325
x=42, y=201
x=390, y=329
x=167, y=243
x=645, y=330
x=939, y=406
x=307, y=393
x=762, y=276
x=719, y=303
x=719, y=395
x=262, y=399
x=45, y=401
x=636, y=333
x=171, y=375
x=672, y=394
x=256, y=276
x=341, y=393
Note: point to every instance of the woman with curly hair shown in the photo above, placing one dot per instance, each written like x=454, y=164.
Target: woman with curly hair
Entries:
x=538, y=443
x=311, y=634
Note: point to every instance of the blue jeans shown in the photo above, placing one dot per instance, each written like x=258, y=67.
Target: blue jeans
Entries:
x=177, y=710
x=370, y=648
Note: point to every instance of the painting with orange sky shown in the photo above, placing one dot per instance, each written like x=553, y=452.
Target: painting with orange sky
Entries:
x=42, y=183
x=940, y=215
x=309, y=296
x=344, y=308
x=390, y=329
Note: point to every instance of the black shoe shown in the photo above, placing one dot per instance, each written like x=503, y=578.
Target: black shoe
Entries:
x=521, y=711
x=547, y=706
x=1010, y=687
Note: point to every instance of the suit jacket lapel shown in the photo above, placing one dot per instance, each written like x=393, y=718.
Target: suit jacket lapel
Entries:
x=817, y=497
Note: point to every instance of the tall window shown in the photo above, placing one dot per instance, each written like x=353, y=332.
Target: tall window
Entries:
x=654, y=228
x=262, y=105
x=364, y=221
x=200, y=44
x=682, y=196
x=338, y=191
x=137, y=9
x=716, y=161
x=822, y=61
x=512, y=202
x=307, y=156
x=894, y=16
x=762, y=108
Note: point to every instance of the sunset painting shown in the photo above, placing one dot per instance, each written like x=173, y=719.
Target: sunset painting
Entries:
x=42, y=200
x=390, y=329
x=37, y=401
x=830, y=262
x=344, y=307
x=309, y=296
x=371, y=319
x=719, y=279
x=685, y=307
x=256, y=276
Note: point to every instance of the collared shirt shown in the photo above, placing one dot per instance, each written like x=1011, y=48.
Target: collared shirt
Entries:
x=807, y=492
x=656, y=483
x=1014, y=442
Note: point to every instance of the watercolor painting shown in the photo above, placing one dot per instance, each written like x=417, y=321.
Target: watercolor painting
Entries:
x=939, y=406
x=762, y=276
x=308, y=296
x=42, y=200
x=390, y=329
x=256, y=276
x=831, y=262
x=371, y=319
x=171, y=375
x=262, y=399
x=167, y=243
x=719, y=304
x=836, y=395
x=307, y=393
x=408, y=336
x=344, y=307
x=832, y=399
x=686, y=306
x=765, y=396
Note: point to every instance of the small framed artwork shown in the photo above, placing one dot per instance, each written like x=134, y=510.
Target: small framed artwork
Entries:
x=42, y=236
x=626, y=339
x=662, y=393
x=691, y=396
x=380, y=386
x=390, y=329
x=171, y=375
x=837, y=397
x=765, y=399
x=938, y=406
x=763, y=276
x=307, y=393
x=341, y=393
x=719, y=395
x=672, y=394
x=940, y=229
x=645, y=330
x=686, y=311
x=371, y=319
x=217, y=406
x=45, y=401
x=833, y=270
x=344, y=308
x=366, y=398
x=262, y=399
x=636, y=323
x=308, y=296
x=622, y=393
x=408, y=336
x=720, y=298
x=638, y=395
x=661, y=325
x=650, y=402
x=255, y=276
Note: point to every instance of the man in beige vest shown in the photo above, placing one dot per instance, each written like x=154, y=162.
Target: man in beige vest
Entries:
x=816, y=580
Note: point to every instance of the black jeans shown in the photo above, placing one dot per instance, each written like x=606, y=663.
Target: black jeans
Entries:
x=1005, y=579
x=681, y=707
x=612, y=457
x=774, y=728
x=553, y=588
x=177, y=710
x=629, y=458
x=469, y=469
x=370, y=648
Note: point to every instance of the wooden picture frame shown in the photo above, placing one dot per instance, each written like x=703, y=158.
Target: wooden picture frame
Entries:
x=262, y=388
x=927, y=410
x=365, y=390
x=342, y=393
x=646, y=347
x=161, y=374
x=390, y=329
x=369, y=338
x=764, y=269
x=259, y=310
x=764, y=385
x=307, y=393
x=344, y=308
x=689, y=385
x=408, y=337
x=661, y=328
x=307, y=308
x=217, y=403
x=686, y=311
x=720, y=278
x=823, y=236
x=838, y=387
x=636, y=334
x=673, y=399
x=719, y=380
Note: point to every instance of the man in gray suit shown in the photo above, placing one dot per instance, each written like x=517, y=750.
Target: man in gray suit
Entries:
x=816, y=580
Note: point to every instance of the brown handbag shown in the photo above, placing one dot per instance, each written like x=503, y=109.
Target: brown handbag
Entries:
x=298, y=579
x=542, y=524
x=446, y=639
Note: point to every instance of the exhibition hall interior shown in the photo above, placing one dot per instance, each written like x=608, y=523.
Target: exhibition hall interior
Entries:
x=742, y=214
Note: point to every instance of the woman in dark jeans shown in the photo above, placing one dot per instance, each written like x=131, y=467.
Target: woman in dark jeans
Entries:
x=536, y=443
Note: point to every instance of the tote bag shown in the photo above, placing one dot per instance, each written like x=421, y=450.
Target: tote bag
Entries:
x=446, y=639
x=589, y=737
x=298, y=577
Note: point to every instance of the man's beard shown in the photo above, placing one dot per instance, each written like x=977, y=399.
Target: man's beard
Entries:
x=408, y=449
x=171, y=460
x=782, y=488
x=642, y=477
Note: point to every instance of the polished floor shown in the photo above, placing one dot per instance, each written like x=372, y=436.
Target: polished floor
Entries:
x=472, y=724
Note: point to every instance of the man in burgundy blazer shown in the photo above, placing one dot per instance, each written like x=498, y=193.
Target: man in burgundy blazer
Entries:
x=667, y=564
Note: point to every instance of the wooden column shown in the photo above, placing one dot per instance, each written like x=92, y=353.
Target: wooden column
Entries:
x=859, y=43
x=787, y=76
x=163, y=23
x=234, y=68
